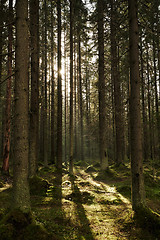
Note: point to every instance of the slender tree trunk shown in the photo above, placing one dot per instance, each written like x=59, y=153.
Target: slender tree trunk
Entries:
x=52, y=91
x=135, y=116
x=80, y=99
x=34, y=109
x=42, y=96
x=21, y=196
x=145, y=129
x=45, y=90
x=59, y=108
x=49, y=112
x=78, y=108
x=149, y=109
x=41, y=137
x=71, y=89
x=119, y=125
x=156, y=99
x=1, y=44
x=6, y=142
x=87, y=106
x=102, y=110
x=75, y=103
x=65, y=101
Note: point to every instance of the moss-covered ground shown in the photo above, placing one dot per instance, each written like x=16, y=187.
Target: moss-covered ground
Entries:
x=91, y=205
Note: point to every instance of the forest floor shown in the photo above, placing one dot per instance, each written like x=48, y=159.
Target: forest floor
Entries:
x=92, y=205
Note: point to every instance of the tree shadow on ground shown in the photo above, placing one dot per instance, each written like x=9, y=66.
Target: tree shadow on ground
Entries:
x=49, y=210
x=84, y=228
x=120, y=179
x=57, y=188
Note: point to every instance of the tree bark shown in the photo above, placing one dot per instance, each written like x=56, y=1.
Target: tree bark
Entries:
x=7, y=125
x=1, y=108
x=119, y=125
x=102, y=117
x=149, y=109
x=34, y=109
x=80, y=98
x=59, y=108
x=75, y=102
x=52, y=90
x=156, y=99
x=138, y=198
x=21, y=196
x=45, y=89
x=71, y=89
x=145, y=128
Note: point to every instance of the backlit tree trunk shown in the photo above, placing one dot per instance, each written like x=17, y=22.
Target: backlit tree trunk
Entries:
x=59, y=108
x=71, y=89
x=80, y=98
x=102, y=118
x=52, y=90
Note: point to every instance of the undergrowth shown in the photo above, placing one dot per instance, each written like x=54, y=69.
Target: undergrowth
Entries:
x=92, y=205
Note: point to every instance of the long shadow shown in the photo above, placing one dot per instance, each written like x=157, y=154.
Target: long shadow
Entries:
x=57, y=188
x=85, y=229
x=57, y=215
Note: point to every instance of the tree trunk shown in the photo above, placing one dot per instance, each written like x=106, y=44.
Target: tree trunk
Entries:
x=1, y=44
x=119, y=125
x=102, y=117
x=149, y=110
x=75, y=103
x=34, y=109
x=156, y=100
x=59, y=108
x=45, y=89
x=42, y=66
x=71, y=89
x=87, y=105
x=7, y=125
x=135, y=116
x=80, y=99
x=52, y=90
x=21, y=196
x=145, y=129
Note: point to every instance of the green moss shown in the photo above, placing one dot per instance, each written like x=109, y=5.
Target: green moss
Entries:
x=125, y=190
x=2, y=212
x=21, y=226
x=148, y=219
x=17, y=218
x=149, y=180
x=13, y=223
x=7, y=232
x=80, y=197
x=105, y=175
x=34, y=232
x=38, y=186
x=81, y=163
x=116, y=201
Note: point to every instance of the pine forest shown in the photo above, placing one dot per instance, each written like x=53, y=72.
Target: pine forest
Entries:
x=80, y=119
